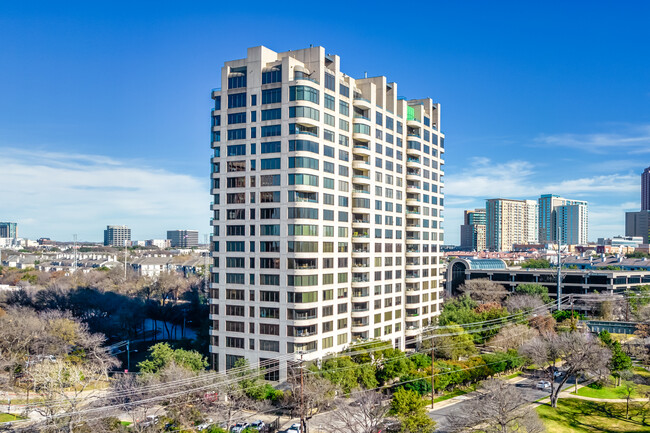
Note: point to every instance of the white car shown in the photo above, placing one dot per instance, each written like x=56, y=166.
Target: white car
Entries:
x=205, y=425
x=542, y=384
x=239, y=427
x=295, y=428
x=259, y=425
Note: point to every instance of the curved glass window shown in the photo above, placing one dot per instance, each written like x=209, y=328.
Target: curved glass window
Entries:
x=304, y=93
x=303, y=162
x=303, y=145
x=363, y=129
x=303, y=179
x=300, y=111
x=303, y=212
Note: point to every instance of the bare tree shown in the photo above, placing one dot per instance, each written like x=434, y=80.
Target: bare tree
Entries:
x=498, y=409
x=516, y=303
x=513, y=336
x=579, y=353
x=483, y=290
x=364, y=415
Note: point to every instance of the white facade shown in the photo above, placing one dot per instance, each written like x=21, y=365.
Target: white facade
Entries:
x=510, y=222
x=327, y=210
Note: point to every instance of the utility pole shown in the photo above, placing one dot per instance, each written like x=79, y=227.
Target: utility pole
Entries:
x=125, y=241
x=128, y=355
x=303, y=424
x=559, y=272
x=433, y=386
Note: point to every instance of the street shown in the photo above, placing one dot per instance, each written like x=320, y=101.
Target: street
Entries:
x=527, y=386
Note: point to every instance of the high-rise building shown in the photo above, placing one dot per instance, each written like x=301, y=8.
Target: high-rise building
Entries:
x=472, y=232
x=327, y=210
x=638, y=224
x=645, y=189
x=510, y=222
x=183, y=238
x=117, y=236
x=550, y=225
x=8, y=230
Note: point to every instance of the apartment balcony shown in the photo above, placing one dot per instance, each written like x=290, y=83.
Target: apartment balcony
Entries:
x=361, y=176
x=360, y=307
x=412, y=329
x=360, y=263
x=358, y=322
x=362, y=164
x=360, y=148
x=216, y=92
x=360, y=336
x=362, y=102
x=360, y=293
x=360, y=234
x=361, y=131
x=306, y=121
x=412, y=162
x=413, y=123
x=412, y=275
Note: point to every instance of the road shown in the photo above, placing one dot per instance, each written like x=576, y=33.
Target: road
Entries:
x=530, y=393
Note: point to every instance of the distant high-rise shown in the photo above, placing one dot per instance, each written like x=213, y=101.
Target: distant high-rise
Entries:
x=510, y=222
x=117, y=236
x=183, y=238
x=638, y=224
x=645, y=189
x=555, y=218
x=8, y=230
x=472, y=232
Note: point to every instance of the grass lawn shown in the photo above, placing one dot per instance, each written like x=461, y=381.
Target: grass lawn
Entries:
x=581, y=416
x=6, y=417
x=448, y=395
x=512, y=376
x=611, y=391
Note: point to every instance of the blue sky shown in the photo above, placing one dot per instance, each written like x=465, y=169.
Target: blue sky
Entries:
x=104, y=106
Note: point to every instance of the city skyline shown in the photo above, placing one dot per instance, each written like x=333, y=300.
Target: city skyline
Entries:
x=126, y=95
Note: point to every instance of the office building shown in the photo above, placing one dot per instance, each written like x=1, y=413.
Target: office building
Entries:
x=510, y=222
x=327, y=210
x=183, y=238
x=573, y=225
x=117, y=236
x=645, y=189
x=472, y=232
x=8, y=230
x=638, y=224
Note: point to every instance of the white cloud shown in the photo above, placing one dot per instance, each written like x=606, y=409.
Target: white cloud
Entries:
x=56, y=194
x=632, y=138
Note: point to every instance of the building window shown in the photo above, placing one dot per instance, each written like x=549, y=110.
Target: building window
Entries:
x=272, y=96
x=304, y=93
x=330, y=82
x=237, y=100
x=272, y=76
x=271, y=131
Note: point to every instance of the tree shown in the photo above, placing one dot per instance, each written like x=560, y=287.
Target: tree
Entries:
x=526, y=303
x=483, y=290
x=408, y=406
x=512, y=336
x=499, y=408
x=365, y=415
x=451, y=342
x=620, y=361
x=579, y=353
x=162, y=355
x=534, y=289
x=626, y=392
x=536, y=264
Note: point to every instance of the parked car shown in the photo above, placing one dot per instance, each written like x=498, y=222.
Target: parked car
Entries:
x=295, y=428
x=149, y=421
x=205, y=425
x=238, y=427
x=259, y=425
x=543, y=384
